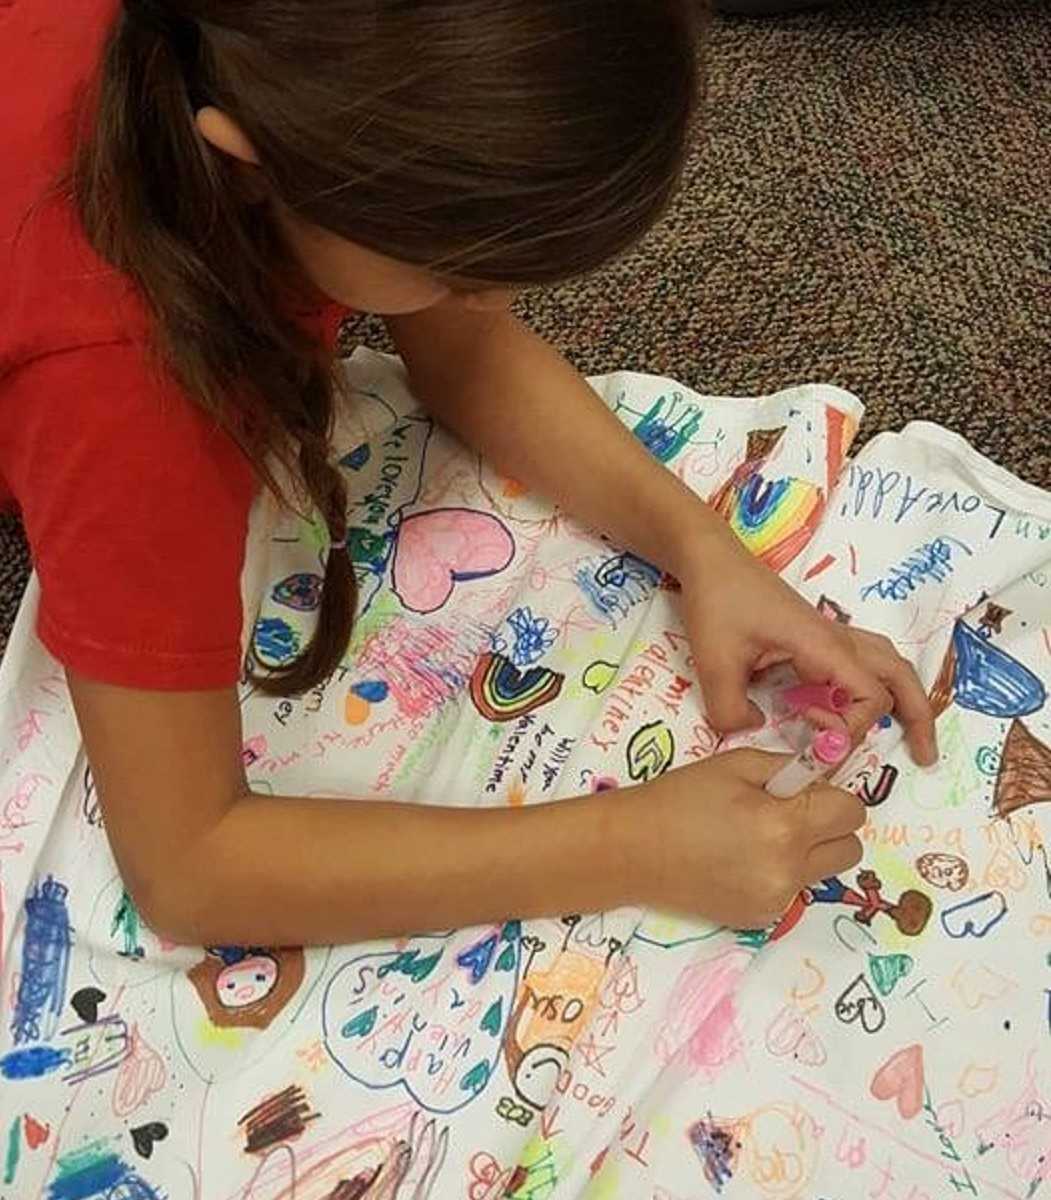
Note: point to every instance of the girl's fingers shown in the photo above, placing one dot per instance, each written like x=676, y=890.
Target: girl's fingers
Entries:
x=724, y=682
x=863, y=714
x=831, y=813
x=821, y=718
x=830, y=661
x=833, y=858
x=913, y=709
x=881, y=683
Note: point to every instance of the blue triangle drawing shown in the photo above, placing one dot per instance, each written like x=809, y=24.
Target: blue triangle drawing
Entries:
x=988, y=680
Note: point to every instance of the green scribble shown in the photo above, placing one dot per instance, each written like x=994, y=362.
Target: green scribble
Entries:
x=78, y=1161
x=317, y=531
x=493, y=1020
x=408, y=962
x=424, y=744
x=126, y=920
x=14, y=1148
x=887, y=969
x=381, y=612
x=476, y=1078
x=362, y=1024
x=663, y=436
x=752, y=939
x=367, y=548
x=537, y=1174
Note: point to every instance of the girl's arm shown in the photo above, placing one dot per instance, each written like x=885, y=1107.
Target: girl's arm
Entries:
x=207, y=861
x=515, y=399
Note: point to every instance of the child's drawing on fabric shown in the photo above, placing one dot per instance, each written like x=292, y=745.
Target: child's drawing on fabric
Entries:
x=886, y=1038
x=438, y=549
x=240, y=985
x=46, y=942
x=977, y=674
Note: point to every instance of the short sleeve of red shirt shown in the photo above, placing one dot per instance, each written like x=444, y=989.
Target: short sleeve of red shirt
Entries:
x=136, y=505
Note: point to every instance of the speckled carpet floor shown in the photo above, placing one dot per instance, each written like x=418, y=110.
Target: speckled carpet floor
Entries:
x=866, y=204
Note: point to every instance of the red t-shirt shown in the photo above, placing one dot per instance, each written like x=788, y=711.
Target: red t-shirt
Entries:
x=136, y=504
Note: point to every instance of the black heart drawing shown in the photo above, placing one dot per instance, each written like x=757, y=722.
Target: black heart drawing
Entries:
x=146, y=1135
x=860, y=1003
x=86, y=1004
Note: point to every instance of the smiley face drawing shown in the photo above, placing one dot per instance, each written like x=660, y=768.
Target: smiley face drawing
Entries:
x=246, y=986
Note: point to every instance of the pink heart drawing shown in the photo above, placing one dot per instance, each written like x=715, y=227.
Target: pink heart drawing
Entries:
x=438, y=549
x=952, y=1118
x=901, y=1079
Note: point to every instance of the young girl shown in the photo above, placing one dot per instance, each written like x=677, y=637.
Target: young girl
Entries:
x=232, y=178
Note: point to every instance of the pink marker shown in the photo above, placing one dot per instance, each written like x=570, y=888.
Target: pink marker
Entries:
x=828, y=749
x=829, y=696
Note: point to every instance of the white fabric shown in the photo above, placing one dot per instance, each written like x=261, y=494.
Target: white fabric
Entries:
x=621, y=1055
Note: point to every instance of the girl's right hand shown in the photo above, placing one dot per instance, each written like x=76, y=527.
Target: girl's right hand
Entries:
x=715, y=844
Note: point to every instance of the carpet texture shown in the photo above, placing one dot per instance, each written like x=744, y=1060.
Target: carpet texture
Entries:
x=866, y=204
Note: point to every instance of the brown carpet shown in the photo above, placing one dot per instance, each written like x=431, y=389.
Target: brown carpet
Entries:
x=866, y=204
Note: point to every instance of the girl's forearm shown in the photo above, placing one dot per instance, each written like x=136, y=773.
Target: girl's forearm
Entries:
x=293, y=871
x=517, y=401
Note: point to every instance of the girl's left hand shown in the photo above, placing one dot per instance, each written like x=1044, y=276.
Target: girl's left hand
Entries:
x=743, y=618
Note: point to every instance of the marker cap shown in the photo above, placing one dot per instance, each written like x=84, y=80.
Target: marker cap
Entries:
x=830, y=747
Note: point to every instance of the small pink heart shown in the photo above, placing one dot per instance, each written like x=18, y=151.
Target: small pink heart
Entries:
x=901, y=1079
x=443, y=547
x=952, y=1118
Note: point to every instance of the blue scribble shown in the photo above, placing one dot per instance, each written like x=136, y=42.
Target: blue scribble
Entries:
x=622, y=569
x=760, y=499
x=618, y=584
x=374, y=691
x=96, y=1171
x=357, y=458
x=275, y=640
x=933, y=560
x=45, y=963
x=33, y=1062
x=533, y=637
x=665, y=429
x=988, y=680
x=476, y=958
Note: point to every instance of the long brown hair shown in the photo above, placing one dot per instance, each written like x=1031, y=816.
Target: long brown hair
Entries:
x=517, y=141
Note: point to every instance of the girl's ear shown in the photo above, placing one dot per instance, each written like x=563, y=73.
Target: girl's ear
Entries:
x=225, y=135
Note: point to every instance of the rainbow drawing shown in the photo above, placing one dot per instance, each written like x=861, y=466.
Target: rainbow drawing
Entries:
x=774, y=518
x=503, y=693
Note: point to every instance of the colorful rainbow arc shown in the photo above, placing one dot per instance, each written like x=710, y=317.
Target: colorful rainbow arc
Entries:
x=503, y=693
x=776, y=518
